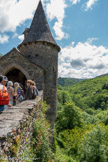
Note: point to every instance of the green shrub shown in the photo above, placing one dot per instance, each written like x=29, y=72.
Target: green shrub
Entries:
x=69, y=117
x=103, y=117
x=61, y=156
x=63, y=97
x=40, y=147
x=94, y=146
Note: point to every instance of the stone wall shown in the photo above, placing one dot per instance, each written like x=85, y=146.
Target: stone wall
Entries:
x=14, y=59
x=16, y=128
x=45, y=55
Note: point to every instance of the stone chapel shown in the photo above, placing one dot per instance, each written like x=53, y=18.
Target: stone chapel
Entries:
x=35, y=58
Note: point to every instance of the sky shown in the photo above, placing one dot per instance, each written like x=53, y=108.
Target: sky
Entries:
x=80, y=28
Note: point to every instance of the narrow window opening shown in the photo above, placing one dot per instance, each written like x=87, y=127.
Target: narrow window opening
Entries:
x=29, y=55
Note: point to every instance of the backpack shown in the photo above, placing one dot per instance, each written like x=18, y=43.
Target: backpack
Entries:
x=20, y=91
x=37, y=93
x=4, y=96
x=34, y=94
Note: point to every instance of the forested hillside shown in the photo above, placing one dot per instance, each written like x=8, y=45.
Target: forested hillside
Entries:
x=68, y=81
x=82, y=121
x=81, y=127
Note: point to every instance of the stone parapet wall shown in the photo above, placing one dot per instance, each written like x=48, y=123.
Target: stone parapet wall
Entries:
x=16, y=124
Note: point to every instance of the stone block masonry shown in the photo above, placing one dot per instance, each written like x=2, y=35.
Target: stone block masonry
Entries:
x=36, y=58
x=16, y=126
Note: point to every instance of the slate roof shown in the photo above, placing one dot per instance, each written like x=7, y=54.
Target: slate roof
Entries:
x=39, y=29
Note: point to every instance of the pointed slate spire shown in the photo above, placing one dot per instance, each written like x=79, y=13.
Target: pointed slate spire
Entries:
x=39, y=29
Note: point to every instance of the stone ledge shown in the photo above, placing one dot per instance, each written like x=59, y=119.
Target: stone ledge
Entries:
x=10, y=118
x=16, y=127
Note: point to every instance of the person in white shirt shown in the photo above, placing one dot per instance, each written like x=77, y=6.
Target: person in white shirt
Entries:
x=10, y=90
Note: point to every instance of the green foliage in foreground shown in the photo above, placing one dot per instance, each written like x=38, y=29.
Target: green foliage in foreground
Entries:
x=39, y=149
x=81, y=128
x=88, y=144
x=82, y=121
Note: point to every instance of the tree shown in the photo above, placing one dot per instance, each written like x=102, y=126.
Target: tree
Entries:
x=94, y=145
x=69, y=117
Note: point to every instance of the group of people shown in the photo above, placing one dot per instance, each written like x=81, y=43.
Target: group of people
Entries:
x=12, y=93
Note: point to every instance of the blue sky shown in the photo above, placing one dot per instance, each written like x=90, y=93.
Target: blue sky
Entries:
x=80, y=27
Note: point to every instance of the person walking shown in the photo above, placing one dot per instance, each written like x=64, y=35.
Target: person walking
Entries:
x=4, y=96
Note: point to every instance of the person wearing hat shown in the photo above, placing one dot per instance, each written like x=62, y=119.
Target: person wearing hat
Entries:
x=29, y=90
x=5, y=80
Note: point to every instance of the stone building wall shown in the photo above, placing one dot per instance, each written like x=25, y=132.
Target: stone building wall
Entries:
x=46, y=56
x=37, y=59
x=14, y=59
x=16, y=126
x=39, y=62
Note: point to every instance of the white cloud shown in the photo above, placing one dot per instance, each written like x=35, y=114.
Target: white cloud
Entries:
x=13, y=13
x=89, y=4
x=90, y=40
x=75, y=1
x=83, y=60
x=21, y=37
x=15, y=35
x=4, y=39
x=56, y=10
x=58, y=31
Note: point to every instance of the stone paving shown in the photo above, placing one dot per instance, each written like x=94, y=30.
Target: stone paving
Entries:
x=10, y=118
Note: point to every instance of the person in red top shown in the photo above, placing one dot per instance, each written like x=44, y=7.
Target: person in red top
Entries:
x=2, y=107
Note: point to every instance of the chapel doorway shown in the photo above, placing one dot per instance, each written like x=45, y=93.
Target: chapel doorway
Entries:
x=15, y=75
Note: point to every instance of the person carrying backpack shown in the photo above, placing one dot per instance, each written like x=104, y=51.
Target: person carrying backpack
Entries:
x=4, y=96
x=19, y=91
x=29, y=90
x=35, y=90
